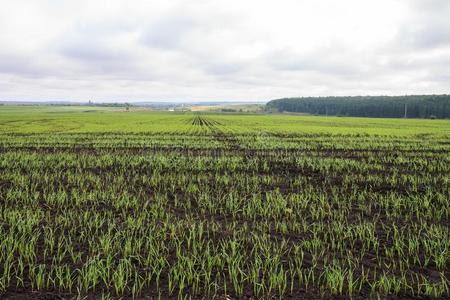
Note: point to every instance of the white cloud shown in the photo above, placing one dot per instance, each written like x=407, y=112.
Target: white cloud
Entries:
x=119, y=50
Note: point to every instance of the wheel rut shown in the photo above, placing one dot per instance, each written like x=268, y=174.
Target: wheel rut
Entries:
x=230, y=141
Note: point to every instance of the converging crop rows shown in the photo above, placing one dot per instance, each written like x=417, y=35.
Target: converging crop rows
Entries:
x=219, y=213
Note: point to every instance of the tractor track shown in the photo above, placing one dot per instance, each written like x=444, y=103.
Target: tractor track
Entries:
x=229, y=141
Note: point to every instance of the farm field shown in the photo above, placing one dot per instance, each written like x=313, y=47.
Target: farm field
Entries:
x=99, y=203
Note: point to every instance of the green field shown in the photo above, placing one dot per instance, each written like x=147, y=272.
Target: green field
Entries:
x=84, y=119
x=99, y=202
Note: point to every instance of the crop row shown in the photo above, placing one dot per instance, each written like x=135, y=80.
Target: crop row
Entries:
x=224, y=215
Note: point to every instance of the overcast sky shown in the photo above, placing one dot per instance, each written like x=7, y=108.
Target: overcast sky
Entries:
x=116, y=50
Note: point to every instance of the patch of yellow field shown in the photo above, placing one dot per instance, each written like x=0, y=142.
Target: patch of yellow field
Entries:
x=201, y=108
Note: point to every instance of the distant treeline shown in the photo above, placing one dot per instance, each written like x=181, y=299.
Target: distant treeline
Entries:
x=418, y=106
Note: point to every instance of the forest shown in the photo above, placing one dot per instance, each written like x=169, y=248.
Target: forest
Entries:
x=414, y=106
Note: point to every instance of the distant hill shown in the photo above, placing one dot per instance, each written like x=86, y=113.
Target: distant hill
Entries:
x=414, y=106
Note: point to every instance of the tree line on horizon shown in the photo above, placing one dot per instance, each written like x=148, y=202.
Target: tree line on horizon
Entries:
x=414, y=106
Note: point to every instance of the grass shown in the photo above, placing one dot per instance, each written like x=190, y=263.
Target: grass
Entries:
x=111, y=204
x=44, y=119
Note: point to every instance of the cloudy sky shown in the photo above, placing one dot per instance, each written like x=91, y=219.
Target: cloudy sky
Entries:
x=170, y=50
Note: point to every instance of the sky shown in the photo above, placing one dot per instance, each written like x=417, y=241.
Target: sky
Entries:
x=221, y=50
